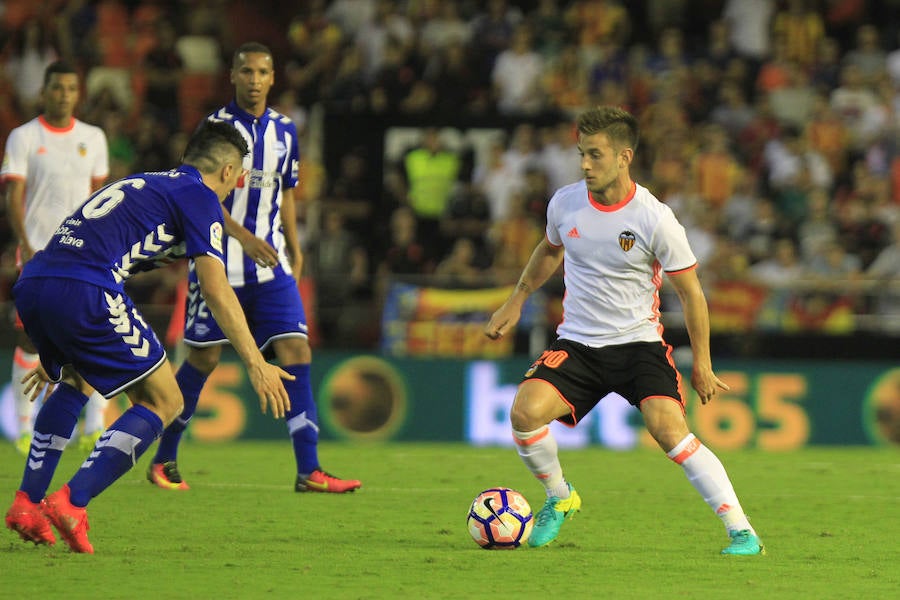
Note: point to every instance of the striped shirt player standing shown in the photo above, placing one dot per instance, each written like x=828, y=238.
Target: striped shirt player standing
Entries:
x=51, y=164
x=262, y=252
x=615, y=241
x=73, y=303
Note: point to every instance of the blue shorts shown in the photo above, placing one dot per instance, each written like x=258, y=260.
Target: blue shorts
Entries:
x=99, y=332
x=273, y=309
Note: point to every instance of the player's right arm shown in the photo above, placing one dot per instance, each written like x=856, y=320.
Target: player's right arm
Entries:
x=222, y=301
x=15, y=208
x=544, y=261
x=258, y=249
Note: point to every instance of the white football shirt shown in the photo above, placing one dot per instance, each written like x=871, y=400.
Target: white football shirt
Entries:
x=614, y=260
x=58, y=166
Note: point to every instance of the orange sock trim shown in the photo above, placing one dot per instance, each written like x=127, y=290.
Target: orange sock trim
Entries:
x=685, y=454
x=533, y=439
x=19, y=359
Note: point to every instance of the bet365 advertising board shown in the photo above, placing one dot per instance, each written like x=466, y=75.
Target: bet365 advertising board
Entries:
x=775, y=406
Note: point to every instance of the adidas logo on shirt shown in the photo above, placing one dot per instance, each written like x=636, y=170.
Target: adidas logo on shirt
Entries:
x=573, y=233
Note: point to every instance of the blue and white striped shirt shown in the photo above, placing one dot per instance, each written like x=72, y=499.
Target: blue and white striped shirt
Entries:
x=272, y=166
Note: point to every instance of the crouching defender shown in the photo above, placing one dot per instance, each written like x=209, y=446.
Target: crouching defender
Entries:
x=88, y=332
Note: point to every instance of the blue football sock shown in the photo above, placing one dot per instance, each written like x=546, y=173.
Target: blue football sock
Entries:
x=117, y=450
x=302, y=420
x=53, y=428
x=191, y=382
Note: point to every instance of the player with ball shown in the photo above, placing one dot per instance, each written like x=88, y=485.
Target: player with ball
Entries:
x=615, y=241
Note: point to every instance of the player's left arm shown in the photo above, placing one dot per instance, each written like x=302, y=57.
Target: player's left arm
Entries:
x=696, y=319
x=289, y=228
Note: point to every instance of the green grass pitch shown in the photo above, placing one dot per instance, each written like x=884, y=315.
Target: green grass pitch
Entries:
x=828, y=517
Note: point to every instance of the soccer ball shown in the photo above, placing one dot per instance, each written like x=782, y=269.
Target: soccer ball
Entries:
x=500, y=518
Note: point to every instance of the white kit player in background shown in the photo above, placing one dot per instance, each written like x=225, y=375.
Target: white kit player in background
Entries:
x=51, y=165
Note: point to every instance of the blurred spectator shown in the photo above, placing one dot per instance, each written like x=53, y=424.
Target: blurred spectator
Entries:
x=802, y=26
x=388, y=25
x=860, y=232
x=513, y=239
x=825, y=74
x=431, y=172
x=351, y=15
x=516, y=77
x=880, y=121
x=850, y=100
x=564, y=83
x=497, y=179
x=749, y=22
x=151, y=143
x=201, y=46
x=834, y=266
x=718, y=47
x=404, y=253
x=867, y=54
x=559, y=156
x=773, y=72
x=455, y=83
x=468, y=215
x=740, y=210
x=347, y=92
x=732, y=111
x=794, y=169
x=764, y=231
x=459, y=269
x=162, y=69
x=122, y=153
x=523, y=152
x=492, y=33
x=828, y=135
x=669, y=59
x=394, y=81
x=548, y=22
x=782, y=269
x=599, y=21
x=315, y=52
x=339, y=265
x=817, y=230
x=32, y=49
x=793, y=103
x=714, y=170
x=447, y=28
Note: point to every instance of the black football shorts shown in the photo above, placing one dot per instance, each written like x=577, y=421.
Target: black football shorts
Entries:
x=583, y=375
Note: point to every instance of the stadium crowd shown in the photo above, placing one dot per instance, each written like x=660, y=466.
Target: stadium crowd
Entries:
x=772, y=127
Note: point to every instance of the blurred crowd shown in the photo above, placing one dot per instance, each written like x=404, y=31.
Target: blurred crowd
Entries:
x=772, y=128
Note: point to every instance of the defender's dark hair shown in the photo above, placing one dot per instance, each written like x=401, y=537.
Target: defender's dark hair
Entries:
x=59, y=66
x=212, y=145
x=248, y=47
x=620, y=125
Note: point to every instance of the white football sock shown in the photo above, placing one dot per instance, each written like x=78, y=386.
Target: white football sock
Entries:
x=95, y=413
x=540, y=453
x=23, y=362
x=708, y=476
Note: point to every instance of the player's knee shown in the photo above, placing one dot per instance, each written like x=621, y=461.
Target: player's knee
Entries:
x=525, y=416
x=204, y=360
